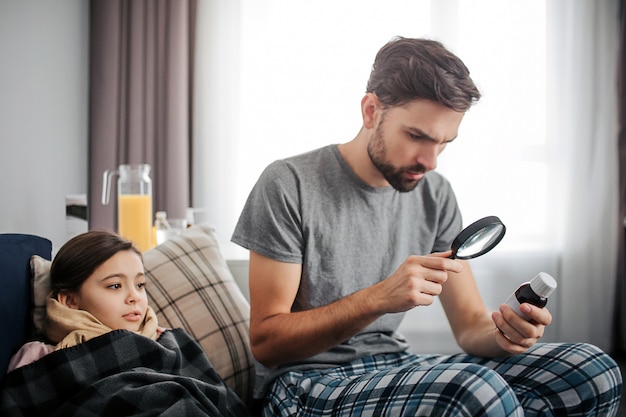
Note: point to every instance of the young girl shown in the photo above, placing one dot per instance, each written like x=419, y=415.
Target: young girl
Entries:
x=98, y=285
x=106, y=359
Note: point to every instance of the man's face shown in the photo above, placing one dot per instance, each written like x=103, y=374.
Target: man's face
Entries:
x=408, y=139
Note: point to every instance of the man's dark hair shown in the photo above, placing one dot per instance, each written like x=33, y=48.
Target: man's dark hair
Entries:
x=410, y=69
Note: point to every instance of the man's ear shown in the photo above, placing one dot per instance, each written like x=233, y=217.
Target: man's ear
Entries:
x=68, y=299
x=369, y=110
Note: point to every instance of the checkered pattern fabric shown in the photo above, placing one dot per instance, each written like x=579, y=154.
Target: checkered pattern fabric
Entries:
x=121, y=374
x=548, y=380
x=190, y=286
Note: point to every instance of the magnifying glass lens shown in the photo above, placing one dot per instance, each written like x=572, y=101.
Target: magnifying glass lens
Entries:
x=478, y=238
x=485, y=238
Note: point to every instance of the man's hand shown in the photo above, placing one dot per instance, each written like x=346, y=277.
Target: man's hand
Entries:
x=415, y=283
x=513, y=333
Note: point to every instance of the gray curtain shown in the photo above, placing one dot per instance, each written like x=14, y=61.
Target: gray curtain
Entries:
x=620, y=316
x=141, y=59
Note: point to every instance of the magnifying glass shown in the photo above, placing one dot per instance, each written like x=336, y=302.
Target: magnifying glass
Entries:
x=478, y=238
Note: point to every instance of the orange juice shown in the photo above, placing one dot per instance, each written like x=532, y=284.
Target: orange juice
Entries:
x=134, y=219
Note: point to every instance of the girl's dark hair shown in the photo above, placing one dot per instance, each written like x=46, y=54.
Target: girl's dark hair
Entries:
x=82, y=255
x=409, y=69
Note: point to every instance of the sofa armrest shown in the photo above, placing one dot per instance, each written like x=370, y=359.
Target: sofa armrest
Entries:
x=16, y=295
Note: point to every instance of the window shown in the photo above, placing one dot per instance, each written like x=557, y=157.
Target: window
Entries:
x=292, y=73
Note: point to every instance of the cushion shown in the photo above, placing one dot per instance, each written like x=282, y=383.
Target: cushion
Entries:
x=41, y=287
x=190, y=286
x=15, y=296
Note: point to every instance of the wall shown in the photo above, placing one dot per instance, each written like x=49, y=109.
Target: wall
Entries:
x=43, y=113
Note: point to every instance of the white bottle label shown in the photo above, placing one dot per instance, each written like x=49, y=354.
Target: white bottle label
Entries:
x=515, y=305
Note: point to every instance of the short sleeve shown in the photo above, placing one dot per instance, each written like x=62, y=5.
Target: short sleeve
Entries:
x=270, y=222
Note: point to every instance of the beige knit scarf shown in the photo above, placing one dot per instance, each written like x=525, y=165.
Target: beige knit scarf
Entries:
x=69, y=327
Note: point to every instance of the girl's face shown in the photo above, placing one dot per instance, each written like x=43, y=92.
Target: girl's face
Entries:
x=114, y=293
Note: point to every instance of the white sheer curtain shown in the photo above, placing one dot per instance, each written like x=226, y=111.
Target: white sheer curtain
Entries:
x=583, y=53
x=278, y=77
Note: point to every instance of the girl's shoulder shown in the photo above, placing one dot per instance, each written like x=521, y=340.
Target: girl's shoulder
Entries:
x=29, y=353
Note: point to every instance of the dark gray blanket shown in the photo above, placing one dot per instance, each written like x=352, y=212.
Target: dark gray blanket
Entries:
x=121, y=374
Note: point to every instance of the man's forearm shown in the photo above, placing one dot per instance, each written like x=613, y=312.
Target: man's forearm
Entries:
x=290, y=337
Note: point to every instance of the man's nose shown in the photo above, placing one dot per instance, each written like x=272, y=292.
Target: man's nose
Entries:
x=427, y=156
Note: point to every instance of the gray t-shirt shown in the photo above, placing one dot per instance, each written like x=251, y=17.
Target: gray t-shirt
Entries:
x=313, y=210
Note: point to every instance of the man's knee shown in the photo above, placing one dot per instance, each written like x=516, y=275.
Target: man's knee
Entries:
x=589, y=379
x=471, y=390
x=604, y=379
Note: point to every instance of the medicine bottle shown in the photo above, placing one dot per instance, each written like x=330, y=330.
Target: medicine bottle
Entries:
x=535, y=292
x=161, y=227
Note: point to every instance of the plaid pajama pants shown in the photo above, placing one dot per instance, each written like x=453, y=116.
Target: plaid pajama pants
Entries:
x=551, y=379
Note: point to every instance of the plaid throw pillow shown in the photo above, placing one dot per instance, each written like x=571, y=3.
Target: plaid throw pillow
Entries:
x=190, y=286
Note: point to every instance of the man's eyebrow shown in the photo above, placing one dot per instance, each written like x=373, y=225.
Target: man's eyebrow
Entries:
x=425, y=135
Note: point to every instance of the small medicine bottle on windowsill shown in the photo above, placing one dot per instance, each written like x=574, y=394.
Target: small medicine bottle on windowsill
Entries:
x=161, y=227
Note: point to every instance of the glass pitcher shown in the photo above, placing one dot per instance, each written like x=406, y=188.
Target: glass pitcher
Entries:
x=134, y=202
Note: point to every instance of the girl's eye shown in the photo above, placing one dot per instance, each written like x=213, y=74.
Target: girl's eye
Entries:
x=141, y=285
x=115, y=286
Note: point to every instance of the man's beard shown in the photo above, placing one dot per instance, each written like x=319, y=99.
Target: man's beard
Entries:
x=378, y=152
